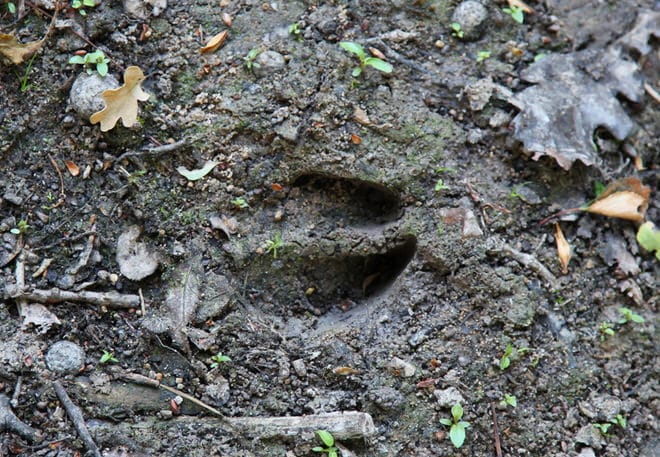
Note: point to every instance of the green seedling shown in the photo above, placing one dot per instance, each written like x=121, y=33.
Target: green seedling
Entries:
x=79, y=4
x=630, y=316
x=295, y=30
x=219, y=359
x=358, y=50
x=505, y=360
x=539, y=56
x=107, y=357
x=483, y=55
x=250, y=59
x=457, y=426
x=509, y=400
x=239, y=203
x=24, y=79
x=274, y=245
x=649, y=238
x=440, y=185
x=92, y=61
x=619, y=420
x=603, y=428
x=11, y=7
x=605, y=330
x=328, y=444
x=20, y=228
x=457, y=30
x=516, y=13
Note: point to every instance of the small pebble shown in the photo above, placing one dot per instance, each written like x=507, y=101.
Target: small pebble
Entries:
x=65, y=357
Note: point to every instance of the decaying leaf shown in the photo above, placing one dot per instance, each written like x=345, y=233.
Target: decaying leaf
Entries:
x=136, y=261
x=574, y=94
x=361, y=117
x=626, y=199
x=37, y=315
x=121, y=103
x=14, y=52
x=345, y=371
x=563, y=249
x=194, y=175
x=649, y=238
x=615, y=251
x=215, y=42
x=180, y=303
x=74, y=170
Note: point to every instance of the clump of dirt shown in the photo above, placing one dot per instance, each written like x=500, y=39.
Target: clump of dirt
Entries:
x=364, y=254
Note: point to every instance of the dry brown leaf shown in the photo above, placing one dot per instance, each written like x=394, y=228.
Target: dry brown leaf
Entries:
x=226, y=18
x=355, y=139
x=72, y=167
x=563, y=249
x=215, y=42
x=361, y=117
x=15, y=52
x=121, y=103
x=376, y=53
x=345, y=371
x=626, y=199
x=522, y=5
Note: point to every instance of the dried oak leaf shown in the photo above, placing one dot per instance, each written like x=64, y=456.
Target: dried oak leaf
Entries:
x=14, y=52
x=121, y=103
x=136, y=260
x=576, y=93
x=626, y=199
x=563, y=249
x=214, y=43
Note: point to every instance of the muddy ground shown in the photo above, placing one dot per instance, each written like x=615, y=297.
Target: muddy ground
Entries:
x=322, y=254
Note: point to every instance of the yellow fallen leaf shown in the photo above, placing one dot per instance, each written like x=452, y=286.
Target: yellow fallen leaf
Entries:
x=626, y=199
x=563, y=249
x=345, y=371
x=15, y=52
x=121, y=103
x=215, y=42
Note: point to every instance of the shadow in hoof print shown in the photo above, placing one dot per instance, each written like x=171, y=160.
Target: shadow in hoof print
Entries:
x=341, y=244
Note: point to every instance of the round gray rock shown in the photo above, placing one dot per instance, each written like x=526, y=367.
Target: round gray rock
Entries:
x=65, y=357
x=268, y=62
x=85, y=96
x=471, y=15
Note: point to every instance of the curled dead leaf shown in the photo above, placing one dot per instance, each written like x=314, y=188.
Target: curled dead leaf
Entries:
x=563, y=249
x=376, y=53
x=226, y=18
x=72, y=167
x=345, y=371
x=121, y=103
x=14, y=52
x=355, y=139
x=214, y=43
x=360, y=116
x=522, y=5
x=626, y=199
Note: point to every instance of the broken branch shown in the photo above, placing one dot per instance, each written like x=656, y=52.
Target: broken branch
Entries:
x=76, y=416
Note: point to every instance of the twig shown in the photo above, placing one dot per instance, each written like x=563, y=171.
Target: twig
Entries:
x=531, y=262
x=154, y=151
x=17, y=392
x=9, y=422
x=76, y=416
x=498, y=447
x=54, y=295
x=143, y=380
x=62, y=194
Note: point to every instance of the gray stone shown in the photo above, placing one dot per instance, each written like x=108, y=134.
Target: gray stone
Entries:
x=85, y=96
x=472, y=16
x=403, y=368
x=600, y=407
x=218, y=390
x=387, y=398
x=299, y=367
x=479, y=92
x=590, y=436
x=143, y=8
x=448, y=397
x=65, y=357
x=268, y=62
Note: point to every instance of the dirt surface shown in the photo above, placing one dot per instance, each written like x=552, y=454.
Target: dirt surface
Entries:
x=322, y=254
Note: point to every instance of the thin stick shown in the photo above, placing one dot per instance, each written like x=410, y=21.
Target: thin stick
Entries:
x=498, y=447
x=530, y=262
x=109, y=299
x=76, y=416
x=154, y=151
x=17, y=392
x=62, y=194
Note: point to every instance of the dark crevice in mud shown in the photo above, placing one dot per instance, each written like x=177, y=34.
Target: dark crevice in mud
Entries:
x=356, y=278
x=355, y=201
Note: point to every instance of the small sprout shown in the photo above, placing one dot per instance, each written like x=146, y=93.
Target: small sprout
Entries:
x=250, y=59
x=457, y=426
x=440, y=185
x=509, y=400
x=328, y=442
x=630, y=316
x=516, y=13
x=619, y=420
x=239, y=203
x=603, y=428
x=505, y=361
x=96, y=59
x=605, y=330
x=295, y=30
x=483, y=55
x=539, y=56
x=648, y=237
x=20, y=228
x=218, y=359
x=107, y=357
x=457, y=30
x=11, y=7
x=274, y=245
x=375, y=62
x=78, y=5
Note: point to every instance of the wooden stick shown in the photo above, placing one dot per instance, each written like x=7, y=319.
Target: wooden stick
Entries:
x=55, y=295
x=9, y=422
x=76, y=416
x=498, y=447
